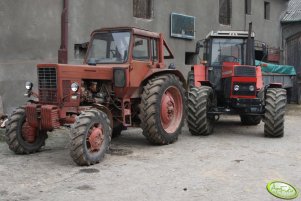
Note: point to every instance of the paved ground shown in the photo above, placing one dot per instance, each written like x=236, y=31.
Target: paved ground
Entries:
x=235, y=163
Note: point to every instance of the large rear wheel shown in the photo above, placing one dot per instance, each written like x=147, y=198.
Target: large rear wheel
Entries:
x=200, y=101
x=91, y=136
x=162, y=109
x=274, y=112
x=21, y=137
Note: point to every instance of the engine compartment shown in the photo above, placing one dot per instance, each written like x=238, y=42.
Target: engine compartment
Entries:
x=95, y=91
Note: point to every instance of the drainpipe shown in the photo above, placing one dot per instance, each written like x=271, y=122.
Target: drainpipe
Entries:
x=63, y=51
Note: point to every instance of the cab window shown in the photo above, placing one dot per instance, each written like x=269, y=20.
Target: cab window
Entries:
x=141, y=49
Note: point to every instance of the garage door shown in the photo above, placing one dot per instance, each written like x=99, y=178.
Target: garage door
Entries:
x=294, y=58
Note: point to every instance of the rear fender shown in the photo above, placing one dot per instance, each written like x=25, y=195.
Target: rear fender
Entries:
x=163, y=72
x=275, y=85
x=199, y=74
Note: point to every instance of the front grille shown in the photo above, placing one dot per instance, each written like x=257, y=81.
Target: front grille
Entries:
x=245, y=71
x=244, y=89
x=47, y=85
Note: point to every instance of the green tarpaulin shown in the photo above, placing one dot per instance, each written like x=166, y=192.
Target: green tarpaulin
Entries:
x=274, y=68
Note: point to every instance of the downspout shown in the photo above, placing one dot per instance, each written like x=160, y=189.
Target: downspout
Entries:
x=63, y=51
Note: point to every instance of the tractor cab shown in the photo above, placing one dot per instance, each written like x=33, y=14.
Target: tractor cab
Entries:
x=228, y=82
x=226, y=52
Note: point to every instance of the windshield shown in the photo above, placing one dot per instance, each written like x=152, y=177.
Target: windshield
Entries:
x=228, y=50
x=110, y=47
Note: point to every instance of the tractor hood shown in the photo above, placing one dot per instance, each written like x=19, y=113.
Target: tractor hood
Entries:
x=102, y=72
x=234, y=69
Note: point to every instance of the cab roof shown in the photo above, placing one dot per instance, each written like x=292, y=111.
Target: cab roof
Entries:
x=230, y=34
x=134, y=30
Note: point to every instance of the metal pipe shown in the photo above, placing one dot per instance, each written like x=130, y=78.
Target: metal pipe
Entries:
x=63, y=51
x=249, y=46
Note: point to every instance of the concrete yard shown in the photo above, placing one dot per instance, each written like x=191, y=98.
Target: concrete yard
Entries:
x=235, y=163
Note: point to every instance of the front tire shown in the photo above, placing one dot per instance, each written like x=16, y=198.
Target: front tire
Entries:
x=200, y=100
x=16, y=130
x=274, y=112
x=91, y=137
x=162, y=109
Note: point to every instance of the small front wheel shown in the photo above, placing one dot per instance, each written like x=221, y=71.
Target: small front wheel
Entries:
x=91, y=137
x=21, y=137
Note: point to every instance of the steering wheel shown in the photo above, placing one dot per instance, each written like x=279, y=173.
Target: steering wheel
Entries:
x=230, y=59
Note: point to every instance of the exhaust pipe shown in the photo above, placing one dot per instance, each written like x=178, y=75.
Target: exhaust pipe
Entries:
x=63, y=51
x=249, y=55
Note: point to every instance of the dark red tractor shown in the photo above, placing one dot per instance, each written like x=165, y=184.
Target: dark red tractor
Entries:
x=123, y=82
x=228, y=82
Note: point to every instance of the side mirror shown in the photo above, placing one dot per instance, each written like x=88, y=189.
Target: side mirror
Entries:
x=138, y=43
x=92, y=62
x=199, y=45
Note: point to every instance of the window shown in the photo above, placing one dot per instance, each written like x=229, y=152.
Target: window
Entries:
x=225, y=12
x=228, y=50
x=182, y=26
x=266, y=10
x=248, y=7
x=190, y=58
x=109, y=47
x=141, y=50
x=143, y=8
x=80, y=50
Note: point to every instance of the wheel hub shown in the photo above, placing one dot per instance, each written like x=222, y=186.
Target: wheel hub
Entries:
x=28, y=133
x=96, y=138
x=167, y=108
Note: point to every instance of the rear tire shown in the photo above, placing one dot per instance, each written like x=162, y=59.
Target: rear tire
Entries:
x=83, y=149
x=162, y=109
x=15, y=131
x=274, y=112
x=200, y=100
x=251, y=120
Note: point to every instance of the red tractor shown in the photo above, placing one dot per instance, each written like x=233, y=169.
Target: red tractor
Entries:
x=123, y=83
x=227, y=82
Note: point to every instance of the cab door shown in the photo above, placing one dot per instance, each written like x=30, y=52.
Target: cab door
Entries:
x=144, y=57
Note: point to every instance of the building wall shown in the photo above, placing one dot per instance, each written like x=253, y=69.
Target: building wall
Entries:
x=30, y=31
x=29, y=34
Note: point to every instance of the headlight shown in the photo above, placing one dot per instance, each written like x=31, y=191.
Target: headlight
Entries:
x=236, y=87
x=251, y=88
x=74, y=87
x=28, y=85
